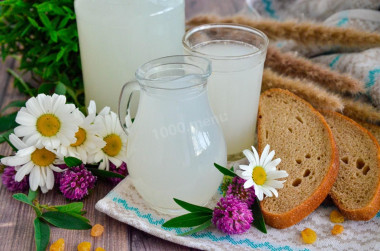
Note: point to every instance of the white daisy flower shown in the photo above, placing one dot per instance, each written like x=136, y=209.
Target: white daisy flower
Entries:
x=116, y=141
x=39, y=162
x=47, y=121
x=87, y=142
x=261, y=173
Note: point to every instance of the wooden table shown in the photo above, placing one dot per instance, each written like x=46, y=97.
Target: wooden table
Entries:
x=16, y=219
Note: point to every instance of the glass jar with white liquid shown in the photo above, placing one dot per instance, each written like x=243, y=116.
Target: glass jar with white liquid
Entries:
x=117, y=36
x=175, y=138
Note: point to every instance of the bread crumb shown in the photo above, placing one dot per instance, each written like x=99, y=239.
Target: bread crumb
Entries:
x=308, y=236
x=336, y=217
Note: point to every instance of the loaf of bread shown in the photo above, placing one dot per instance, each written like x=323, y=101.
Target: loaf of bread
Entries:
x=302, y=139
x=356, y=191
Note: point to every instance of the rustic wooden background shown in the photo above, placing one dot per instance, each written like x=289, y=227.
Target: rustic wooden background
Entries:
x=16, y=219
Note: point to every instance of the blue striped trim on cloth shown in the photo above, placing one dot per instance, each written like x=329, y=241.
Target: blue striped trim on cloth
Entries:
x=202, y=235
x=334, y=61
x=268, y=8
x=372, y=77
x=342, y=22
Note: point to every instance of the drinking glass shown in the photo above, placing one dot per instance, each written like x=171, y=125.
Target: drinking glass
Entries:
x=237, y=53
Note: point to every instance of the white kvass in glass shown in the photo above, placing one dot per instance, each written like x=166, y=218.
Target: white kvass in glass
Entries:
x=175, y=138
x=117, y=36
x=237, y=54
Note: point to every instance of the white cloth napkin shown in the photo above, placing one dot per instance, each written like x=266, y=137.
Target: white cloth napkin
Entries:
x=124, y=204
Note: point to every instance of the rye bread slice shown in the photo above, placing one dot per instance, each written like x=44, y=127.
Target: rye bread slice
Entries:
x=374, y=129
x=356, y=192
x=302, y=139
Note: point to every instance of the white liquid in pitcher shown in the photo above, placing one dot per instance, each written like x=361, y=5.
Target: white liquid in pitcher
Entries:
x=117, y=36
x=234, y=91
x=172, y=146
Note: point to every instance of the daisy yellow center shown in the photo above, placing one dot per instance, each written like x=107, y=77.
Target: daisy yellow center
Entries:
x=113, y=144
x=42, y=157
x=81, y=137
x=259, y=175
x=48, y=125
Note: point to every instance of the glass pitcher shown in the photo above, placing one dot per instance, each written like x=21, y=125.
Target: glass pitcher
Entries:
x=117, y=36
x=175, y=139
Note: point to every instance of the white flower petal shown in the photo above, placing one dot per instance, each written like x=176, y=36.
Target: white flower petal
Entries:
x=275, y=183
x=277, y=174
x=246, y=167
x=34, y=178
x=24, y=170
x=256, y=155
x=269, y=158
x=49, y=178
x=102, y=165
x=44, y=189
x=116, y=161
x=266, y=191
x=25, y=118
x=249, y=155
x=26, y=151
x=248, y=183
x=258, y=192
x=106, y=110
x=272, y=165
x=57, y=169
x=22, y=131
x=264, y=155
x=15, y=160
x=271, y=190
x=91, y=107
x=33, y=107
x=17, y=142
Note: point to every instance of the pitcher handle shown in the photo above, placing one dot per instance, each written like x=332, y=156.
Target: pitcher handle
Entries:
x=123, y=108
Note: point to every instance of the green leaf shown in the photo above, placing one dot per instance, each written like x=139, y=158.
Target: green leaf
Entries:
x=72, y=161
x=34, y=23
x=80, y=217
x=41, y=234
x=8, y=122
x=4, y=137
x=258, y=219
x=104, y=174
x=22, y=82
x=45, y=20
x=191, y=207
x=64, y=220
x=60, y=54
x=225, y=171
x=60, y=89
x=17, y=103
x=53, y=36
x=197, y=229
x=188, y=220
x=23, y=198
x=75, y=207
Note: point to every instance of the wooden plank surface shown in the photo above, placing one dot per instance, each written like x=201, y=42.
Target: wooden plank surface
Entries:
x=16, y=219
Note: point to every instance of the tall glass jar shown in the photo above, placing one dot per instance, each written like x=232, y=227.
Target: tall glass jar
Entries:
x=117, y=36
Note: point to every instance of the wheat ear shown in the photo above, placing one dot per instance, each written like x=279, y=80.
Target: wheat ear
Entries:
x=298, y=67
x=316, y=96
x=361, y=111
x=302, y=32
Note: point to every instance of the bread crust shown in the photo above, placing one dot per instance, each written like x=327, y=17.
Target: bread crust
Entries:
x=368, y=212
x=299, y=212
